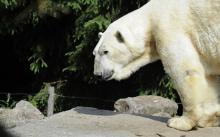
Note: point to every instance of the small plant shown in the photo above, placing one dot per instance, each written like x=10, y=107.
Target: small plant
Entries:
x=167, y=87
x=40, y=99
x=8, y=103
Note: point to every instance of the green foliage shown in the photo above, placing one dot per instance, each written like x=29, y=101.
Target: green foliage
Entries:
x=8, y=4
x=37, y=61
x=74, y=5
x=8, y=103
x=40, y=99
x=165, y=89
x=167, y=86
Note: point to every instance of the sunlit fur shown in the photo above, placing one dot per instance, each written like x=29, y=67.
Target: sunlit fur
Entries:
x=185, y=36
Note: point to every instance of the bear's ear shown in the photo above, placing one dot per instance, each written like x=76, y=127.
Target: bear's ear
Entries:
x=124, y=35
x=119, y=37
x=100, y=34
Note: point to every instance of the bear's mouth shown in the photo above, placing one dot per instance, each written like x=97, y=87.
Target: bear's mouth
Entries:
x=107, y=75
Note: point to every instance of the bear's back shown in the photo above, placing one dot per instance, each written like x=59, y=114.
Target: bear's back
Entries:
x=205, y=15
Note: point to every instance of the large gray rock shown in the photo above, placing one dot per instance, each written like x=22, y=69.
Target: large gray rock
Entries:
x=91, y=122
x=22, y=113
x=26, y=112
x=147, y=105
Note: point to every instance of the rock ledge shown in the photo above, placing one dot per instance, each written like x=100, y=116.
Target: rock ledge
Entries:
x=91, y=122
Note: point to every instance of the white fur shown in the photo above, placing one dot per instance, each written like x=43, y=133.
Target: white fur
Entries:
x=185, y=36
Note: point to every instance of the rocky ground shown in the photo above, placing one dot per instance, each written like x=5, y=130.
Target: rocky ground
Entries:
x=91, y=122
x=142, y=116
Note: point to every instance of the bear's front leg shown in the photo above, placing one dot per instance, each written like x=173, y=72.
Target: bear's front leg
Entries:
x=197, y=91
x=129, y=69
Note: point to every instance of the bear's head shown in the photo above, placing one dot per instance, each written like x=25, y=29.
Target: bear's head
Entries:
x=123, y=48
x=115, y=49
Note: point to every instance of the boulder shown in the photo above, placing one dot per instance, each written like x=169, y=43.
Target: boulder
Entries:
x=26, y=112
x=22, y=113
x=147, y=105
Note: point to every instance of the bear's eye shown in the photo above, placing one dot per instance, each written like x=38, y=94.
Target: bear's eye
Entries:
x=105, y=52
x=119, y=37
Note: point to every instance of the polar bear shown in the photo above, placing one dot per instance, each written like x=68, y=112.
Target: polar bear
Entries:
x=185, y=36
